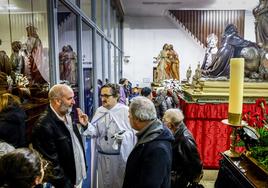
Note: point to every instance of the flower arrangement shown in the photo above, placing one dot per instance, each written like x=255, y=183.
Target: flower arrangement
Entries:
x=259, y=121
x=21, y=80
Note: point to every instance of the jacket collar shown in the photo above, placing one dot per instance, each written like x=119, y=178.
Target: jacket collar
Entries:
x=181, y=129
x=150, y=132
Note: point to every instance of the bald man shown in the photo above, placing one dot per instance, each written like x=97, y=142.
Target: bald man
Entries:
x=59, y=140
x=187, y=168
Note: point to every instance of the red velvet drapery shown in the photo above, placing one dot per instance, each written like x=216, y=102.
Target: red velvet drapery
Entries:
x=212, y=136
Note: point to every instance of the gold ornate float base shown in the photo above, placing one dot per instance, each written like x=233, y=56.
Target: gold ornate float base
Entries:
x=218, y=91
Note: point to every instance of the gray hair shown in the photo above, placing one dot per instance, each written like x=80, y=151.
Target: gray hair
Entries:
x=142, y=108
x=175, y=115
x=57, y=91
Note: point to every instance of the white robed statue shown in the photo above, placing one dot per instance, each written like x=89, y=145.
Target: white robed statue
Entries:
x=113, y=140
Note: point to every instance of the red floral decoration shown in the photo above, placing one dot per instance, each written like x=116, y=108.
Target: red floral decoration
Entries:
x=258, y=118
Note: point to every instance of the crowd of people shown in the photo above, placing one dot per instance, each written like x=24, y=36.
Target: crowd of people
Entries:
x=133, y=143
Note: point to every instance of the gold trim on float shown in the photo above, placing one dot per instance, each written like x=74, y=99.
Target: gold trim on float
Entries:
x=234, y=119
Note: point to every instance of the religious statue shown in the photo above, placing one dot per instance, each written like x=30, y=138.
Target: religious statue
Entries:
x=211, y=50
x=168, y=64
x=16, y=58
x=68, y=64
x=162, y=61
x=188, y=74
x=196, y=78
x=174, y=59
x=5, y=71
x=36, y=70
x=263, y=68
x=5, y=65
x=231, y=47
x=261, y=23
x=252, y=62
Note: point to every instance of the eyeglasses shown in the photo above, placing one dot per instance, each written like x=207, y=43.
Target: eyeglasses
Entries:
x=105, y=95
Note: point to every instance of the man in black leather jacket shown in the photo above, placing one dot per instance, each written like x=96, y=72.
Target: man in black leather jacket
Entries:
x=59, y=140
x=187, y=168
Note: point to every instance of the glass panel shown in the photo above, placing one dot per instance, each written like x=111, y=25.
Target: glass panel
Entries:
x=106, y=59
x=24, y=48
x=86, y=7
x=112, y=65
x=98, y=13
x=67, y=37
x=99, y=57
x=87, y=68
x=116, y=66
x=112, y=24
x=120, y=64
x=105, y=24
x=116, y=30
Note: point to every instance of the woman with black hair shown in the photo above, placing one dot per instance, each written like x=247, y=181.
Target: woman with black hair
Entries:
x=21, y=168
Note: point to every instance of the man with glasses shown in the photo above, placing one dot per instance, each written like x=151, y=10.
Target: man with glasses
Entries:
x=113, y=139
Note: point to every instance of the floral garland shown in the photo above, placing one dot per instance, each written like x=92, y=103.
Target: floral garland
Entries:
x=258, y=120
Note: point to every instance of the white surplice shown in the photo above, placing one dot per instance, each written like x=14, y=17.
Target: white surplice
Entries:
x=109, y=162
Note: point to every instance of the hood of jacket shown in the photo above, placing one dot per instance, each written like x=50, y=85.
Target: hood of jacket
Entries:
x=154, y=131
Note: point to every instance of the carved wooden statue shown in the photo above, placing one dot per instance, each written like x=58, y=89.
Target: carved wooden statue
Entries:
x=261, y=23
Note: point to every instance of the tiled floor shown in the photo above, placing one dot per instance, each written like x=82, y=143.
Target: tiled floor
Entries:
x=209, y=178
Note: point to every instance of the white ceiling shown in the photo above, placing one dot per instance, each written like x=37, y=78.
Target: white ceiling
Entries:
x=158, y=7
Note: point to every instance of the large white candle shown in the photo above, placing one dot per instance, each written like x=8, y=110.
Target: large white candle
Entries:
x=236, y=90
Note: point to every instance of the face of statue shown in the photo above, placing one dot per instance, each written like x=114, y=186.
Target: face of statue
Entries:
x=212, y=40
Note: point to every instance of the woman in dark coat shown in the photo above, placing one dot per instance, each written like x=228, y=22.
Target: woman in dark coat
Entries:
x=12, y=121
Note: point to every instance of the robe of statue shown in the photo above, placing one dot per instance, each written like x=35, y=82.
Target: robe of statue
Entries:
x=261, y=23
x=38, y=69
x=163, y=65
x=68, y=64
x=106, y=160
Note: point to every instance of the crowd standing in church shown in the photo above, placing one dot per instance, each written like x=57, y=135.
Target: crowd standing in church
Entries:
x=130, y=147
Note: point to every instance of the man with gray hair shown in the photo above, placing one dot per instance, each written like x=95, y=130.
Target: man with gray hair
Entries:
x=187, y=167
x=59, y=140
x=149, y=163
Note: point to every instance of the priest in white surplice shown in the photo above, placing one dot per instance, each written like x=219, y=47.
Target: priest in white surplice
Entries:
x=113, y=140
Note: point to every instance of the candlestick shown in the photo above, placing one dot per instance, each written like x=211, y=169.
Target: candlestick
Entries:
x=236, y=90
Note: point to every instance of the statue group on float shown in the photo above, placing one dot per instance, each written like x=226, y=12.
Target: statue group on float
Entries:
x=216, y=65
x=216, y=61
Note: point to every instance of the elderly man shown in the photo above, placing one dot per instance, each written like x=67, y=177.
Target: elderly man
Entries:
x=113, y=139
x=149, y=164
x=186, y=165
x=59, y=140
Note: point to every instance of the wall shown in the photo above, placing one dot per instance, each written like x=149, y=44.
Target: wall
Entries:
x=249, y=26
x=144, y=37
